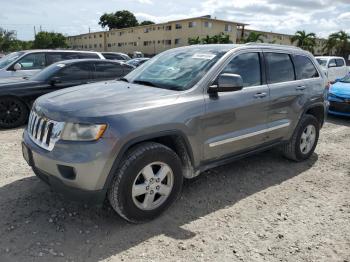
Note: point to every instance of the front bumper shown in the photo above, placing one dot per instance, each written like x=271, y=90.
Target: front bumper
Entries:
x=77, y=169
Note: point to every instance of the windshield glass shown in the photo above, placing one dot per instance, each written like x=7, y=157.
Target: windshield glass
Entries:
x=345, y=79
x=322, y=62
x=6, y=60
x=178, y=69
x=48, y=72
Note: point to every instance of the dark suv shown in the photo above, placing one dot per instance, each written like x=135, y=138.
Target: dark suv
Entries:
x=186, y=110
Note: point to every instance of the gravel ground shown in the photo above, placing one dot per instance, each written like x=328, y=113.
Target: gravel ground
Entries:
x=262, y=208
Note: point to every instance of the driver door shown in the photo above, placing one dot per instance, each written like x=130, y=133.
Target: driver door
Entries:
x=30, y=65
x=236, y=121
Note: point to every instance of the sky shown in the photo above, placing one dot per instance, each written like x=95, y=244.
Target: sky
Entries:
x=77, y=16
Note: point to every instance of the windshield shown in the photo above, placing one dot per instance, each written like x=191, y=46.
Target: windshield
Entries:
x=6, y=60
x=48, y=72
x=177, y=69
x=322, y=62
x=345, y=79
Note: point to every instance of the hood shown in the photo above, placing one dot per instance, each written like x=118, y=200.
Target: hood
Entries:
x=12, y=84
x=11, y=80
x=340, y=89
x=102, y=99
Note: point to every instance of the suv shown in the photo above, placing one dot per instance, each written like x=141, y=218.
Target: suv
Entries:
x=187, y=110
x=333, y=66
x=27, y=63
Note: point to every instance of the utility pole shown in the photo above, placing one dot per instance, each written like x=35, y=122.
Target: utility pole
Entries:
x=34, y=32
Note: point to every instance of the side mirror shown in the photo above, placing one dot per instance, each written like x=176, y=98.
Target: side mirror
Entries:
x=17, y=67
x=332, y=65
x=227, y=83
x=55, y=80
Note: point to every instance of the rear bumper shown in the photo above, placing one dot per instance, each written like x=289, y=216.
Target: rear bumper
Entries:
x=92, y=197
x=338, y=107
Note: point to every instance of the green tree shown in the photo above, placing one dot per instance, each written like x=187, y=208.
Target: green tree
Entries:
x=118, y=20
x=194, y=40
x=254, y=37
x=216, y=39
x=338, y=41
x=6, y=38
x=304, y=40
x=49, y=40
x=147, y=23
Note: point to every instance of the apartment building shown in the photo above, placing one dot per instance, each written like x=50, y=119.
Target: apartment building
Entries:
x=277, y=38
x=153, y=39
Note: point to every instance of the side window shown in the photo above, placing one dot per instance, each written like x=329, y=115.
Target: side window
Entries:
x=53, y=58
x=247, y=66
x=280, y=67
x=304, y=68
x=108, y=70
x=88, y=55
x=113, y=57
x=339, y=62
x=332, y=63
x=80, y=71
x=32, y=61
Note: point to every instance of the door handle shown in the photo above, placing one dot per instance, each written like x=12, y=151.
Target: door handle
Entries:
x=300, y=88
x=260, y=95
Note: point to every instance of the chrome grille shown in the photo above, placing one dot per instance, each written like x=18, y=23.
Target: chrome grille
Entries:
x=44, y=132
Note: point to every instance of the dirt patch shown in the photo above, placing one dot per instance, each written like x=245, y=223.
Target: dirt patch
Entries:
x=262, y=208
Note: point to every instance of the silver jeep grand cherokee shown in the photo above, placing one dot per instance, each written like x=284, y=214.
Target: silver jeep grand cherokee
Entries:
x=188, y=109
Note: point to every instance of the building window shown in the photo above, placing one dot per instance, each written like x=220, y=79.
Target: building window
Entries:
x=177, y=41
x=146, y=30
x=178, y=26
x=95, y=45
x=208, y=24
x=100, y=45
x=109, y=45
x=192, y=24
x=100, y=36
x=228, y=28
x=94, y=36
x=168, y=28
x=167, y=42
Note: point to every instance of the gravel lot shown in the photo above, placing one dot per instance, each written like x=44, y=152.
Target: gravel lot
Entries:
x=262, y=208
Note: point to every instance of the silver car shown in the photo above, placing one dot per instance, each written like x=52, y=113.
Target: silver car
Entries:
x=184, y=111
x=27, y=63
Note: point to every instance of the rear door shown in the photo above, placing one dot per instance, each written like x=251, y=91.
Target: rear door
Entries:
x=287, y=94
x=236, y=121
x=105, y=70
x=53, y=57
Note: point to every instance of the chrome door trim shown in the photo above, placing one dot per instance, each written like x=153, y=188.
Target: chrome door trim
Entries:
x=233, y=139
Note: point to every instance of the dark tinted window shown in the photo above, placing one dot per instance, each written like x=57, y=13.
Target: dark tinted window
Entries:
x=56, y=57
x=106, y=70
x=280, y=67
x=88, y=55
x=304, y=68
x=339, y=62
x=247, y=66
x=113, y=56
x=79, y=71
x=32, y=61
x=332, y=63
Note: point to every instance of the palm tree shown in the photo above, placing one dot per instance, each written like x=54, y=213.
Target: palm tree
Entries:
x=340, y=42
x=254, y=37
x=304, y=40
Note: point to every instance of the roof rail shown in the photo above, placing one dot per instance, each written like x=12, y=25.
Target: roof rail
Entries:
x=273, y=45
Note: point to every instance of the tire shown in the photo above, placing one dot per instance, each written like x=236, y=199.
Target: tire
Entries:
x=13, y=112
x=295, y=149
x=135, y=173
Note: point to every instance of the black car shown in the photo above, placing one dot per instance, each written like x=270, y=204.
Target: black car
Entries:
x=17, y=95
x=137, y=61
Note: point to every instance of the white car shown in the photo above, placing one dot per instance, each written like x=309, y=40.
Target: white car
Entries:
x=333, y=66
x=27, y=63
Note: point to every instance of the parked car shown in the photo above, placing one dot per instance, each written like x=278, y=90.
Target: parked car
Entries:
x=187, y=110
x=116, y=56
x=339, y=97
x=27, y=63
x=333, y=66
x=137, y=61
x=18, y=94
x=137, y=54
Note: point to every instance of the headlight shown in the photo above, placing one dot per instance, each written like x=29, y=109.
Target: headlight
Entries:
x=82, y=132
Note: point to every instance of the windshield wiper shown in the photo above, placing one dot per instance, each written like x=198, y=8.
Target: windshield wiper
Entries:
x=146, y=83
x=123, y=79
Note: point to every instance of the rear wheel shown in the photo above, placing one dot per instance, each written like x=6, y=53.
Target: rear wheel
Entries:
x=304, y=140
x=13, y=112
x=147, y=182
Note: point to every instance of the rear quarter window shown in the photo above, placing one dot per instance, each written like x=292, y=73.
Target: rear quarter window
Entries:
x=304, y=68
x=339, y=62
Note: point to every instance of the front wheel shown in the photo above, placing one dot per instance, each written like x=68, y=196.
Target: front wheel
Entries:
x=147, y=182
x=13, y=112
x=304, y=140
